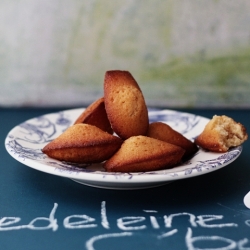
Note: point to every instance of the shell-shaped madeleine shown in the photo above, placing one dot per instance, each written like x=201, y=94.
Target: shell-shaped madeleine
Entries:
x=125, y=104
x=221, y=133
x=141, y=153
x=83, y=143
x=95, y=114
x=164, y=132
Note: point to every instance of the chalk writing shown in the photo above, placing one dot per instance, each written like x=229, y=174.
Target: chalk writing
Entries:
x=104, y=218
x=247, y=222
x=170, y=233
x=123, y=223
x=242, y=243
x=90, y=242
x=202, y=221
x=168, y=219
x=83, y=223
x=190, y=240
x=5, y=222
x=131, y=224
x=153, y=219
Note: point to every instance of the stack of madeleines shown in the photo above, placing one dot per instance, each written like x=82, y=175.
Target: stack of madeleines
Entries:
x=115, y=131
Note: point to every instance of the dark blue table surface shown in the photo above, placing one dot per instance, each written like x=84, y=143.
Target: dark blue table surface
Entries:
x=205, y=212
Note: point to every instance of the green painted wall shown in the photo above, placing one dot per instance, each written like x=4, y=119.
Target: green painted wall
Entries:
x=182, y=53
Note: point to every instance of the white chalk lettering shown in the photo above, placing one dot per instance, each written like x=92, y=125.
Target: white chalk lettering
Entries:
x=154, y=222
x=190, y=240
x=202, y=219
x=168, y=219
x=52, y=221
x=150, y=211
x=123, y=222
x=170, y=233
x=247, y=222
x=6, y=221
x=79, y=224
x=153, y=219
x=12, y=220
x=104, y=217
x=242, y=243
x=91, y=241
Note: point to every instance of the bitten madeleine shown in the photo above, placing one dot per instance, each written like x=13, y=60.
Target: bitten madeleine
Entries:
x=83, y=143
x=221, y=133
x=95, y=114
x=164, y=132
x=125, y=104
x=141, y=153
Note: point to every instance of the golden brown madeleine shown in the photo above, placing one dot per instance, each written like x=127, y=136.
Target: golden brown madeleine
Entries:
x=125, y=104
x=83, y=143
x=95, y=114
x=164, y=132
x=221, y=133
x=141, y=153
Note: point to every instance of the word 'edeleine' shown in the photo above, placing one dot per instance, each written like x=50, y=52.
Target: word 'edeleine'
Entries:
x=127, y=223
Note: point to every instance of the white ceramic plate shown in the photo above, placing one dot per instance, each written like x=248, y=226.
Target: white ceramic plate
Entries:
x=25, y=141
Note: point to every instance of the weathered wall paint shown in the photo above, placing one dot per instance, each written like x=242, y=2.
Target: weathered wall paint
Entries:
x=182, y=53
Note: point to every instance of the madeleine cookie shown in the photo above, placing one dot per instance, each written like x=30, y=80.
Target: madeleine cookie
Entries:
x=221, y=133
x=141, y=153
x=95, y=114
x=125, y=105
x=164, y=132
x=83, y=143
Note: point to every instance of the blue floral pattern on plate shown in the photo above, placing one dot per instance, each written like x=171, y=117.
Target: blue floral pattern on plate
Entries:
x=25, y=141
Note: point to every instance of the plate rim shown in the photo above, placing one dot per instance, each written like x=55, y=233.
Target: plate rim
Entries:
x=117, y=178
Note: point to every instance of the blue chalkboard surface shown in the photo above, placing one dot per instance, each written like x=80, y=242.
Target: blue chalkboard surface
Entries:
x=43, y=211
